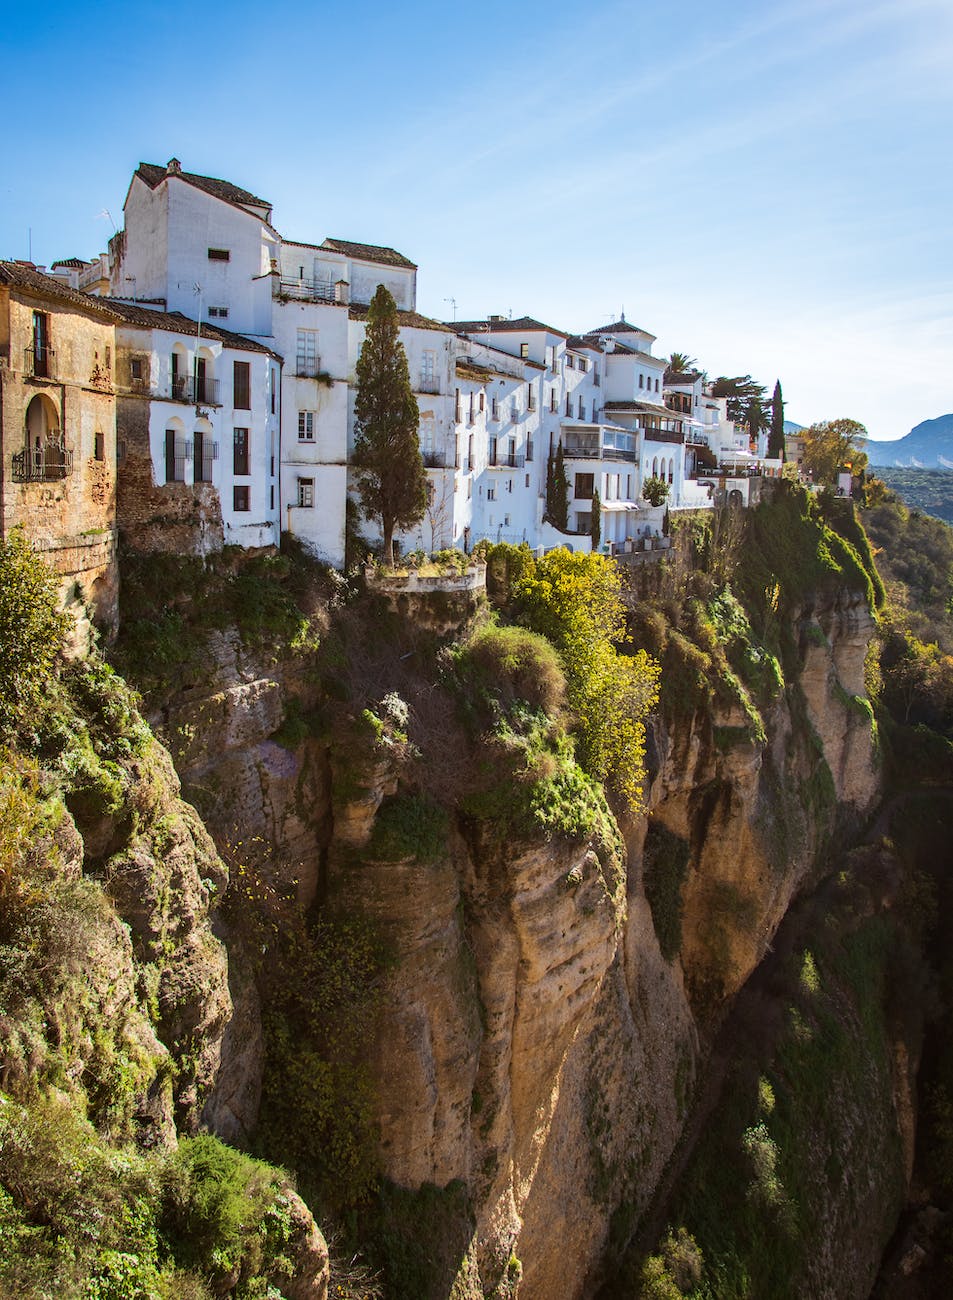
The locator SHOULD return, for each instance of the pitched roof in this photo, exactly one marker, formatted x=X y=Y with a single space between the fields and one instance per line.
x=377 y=253
x=644 y=408
x=18 y=275
x=133 y=313
x=624 y=350
x=619 y=327
x=77 y=263
x=153 y=174
x=520 y=325
x=681 y=376
x=582 y=343
x=359 y=310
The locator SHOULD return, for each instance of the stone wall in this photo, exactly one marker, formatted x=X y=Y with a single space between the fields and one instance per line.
x=182 y=518
x=71 y=516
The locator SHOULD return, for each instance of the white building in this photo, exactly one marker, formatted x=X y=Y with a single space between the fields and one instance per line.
x=198 y=405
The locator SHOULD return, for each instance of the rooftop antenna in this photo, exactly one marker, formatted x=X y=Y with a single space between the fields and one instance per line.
x=453 y=304
x=197 y=289
x=29 y=243
x=108 y=215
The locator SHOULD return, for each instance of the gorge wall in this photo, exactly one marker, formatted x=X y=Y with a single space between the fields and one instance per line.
x=546 y=1016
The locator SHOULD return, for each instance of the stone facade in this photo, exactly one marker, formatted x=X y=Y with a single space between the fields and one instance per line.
x=58 y=433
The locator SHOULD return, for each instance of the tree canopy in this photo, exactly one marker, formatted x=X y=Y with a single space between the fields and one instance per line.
x=832 y=447
x=557 y=490
x=32 y=626
x=392 y=481
x=745 y=399
x=680 y=363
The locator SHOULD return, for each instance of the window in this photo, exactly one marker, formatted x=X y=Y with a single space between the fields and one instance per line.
x=509 y=485
x=458 y=416
x=569 y=404
x=306 y=426
x=641 y=381
x=241 y=386
x=530 y=398
x=428 y=373
x=271 y=497
x=135 y=368
x=656 y=385
x=42 y=352
x=307 y=353
x=470 y=453
x=582 y=409
x=491 y=451
x=470 y=416
x=174 y=457
x=554 y=399
x=219 y=255
x=109 y=360
x=585 y=483
x=206 y=451
x=570 y=361
x=99 y=446
x=482 y=401
x=274 y=388
x=524 y=350
x=306 y=493
x=529 y=453
x=583 y=363
x=241 y=498
x=527 y=481
x=494 y=408
x=220 y=312
x=491 y=494
x=240 y=452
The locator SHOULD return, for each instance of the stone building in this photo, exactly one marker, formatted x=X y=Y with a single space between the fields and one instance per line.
x=58 y=432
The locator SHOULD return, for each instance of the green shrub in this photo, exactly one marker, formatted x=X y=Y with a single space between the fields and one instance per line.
x=505 y=664
x=32 y=628
x=408 y=826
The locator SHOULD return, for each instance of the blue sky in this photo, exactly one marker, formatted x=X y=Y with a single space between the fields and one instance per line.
x=766 y=187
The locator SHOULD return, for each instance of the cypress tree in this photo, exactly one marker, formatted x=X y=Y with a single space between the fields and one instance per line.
x=559 y=500
x=776 y=440
x=392 y=481
x=595 y=529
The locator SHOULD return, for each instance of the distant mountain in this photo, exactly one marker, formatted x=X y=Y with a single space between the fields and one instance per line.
x=928 y=446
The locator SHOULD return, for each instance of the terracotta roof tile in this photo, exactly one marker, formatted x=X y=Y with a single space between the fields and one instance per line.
x=135 y=314
x=521 y=325
x=359 y=310
x=368 y=253
x=153 y=174
x=16 y=275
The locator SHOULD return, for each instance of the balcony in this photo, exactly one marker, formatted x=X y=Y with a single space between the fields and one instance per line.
x=39 y=362
x=436 y=460
x=194 y=389
x=506 y=460
x=45 y=466
x=429 y=385
x=304 y=290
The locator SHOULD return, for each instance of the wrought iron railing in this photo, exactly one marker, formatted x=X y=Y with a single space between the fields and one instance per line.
x=428 y=385
x=44 y=466
x=38 y=361
x=506 y=460
x=308 y=367
x=306 y=290
x=195 y=389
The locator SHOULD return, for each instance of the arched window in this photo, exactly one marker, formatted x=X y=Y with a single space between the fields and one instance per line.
x=175 y=451
x=44 y=456
x=655 y=466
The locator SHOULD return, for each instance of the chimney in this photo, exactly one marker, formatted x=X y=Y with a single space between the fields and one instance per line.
x=173 y=167
x=341 y=291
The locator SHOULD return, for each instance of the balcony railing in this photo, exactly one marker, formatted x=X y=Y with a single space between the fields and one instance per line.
x=44 y=466
x=39 y=362
x=436 y=460
x=506 y=460
x=194 y=389
x=305 y=290
x=588 y=451
x=308 y=367
x=428 y=385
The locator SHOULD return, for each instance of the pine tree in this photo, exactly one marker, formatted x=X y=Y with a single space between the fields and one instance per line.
x=595 y=529
x=392 y=482
x=776 y=440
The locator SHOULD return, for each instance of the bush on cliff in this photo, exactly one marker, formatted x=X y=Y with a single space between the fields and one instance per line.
x=32 y=628
x=575 y=601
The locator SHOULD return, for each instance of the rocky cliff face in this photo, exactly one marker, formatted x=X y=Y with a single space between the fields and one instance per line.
x=537 y=1043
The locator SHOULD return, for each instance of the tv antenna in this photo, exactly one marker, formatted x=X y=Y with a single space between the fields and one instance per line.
x=453 y=304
